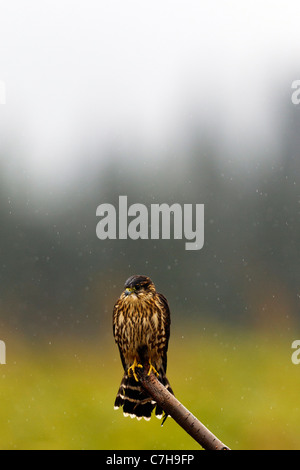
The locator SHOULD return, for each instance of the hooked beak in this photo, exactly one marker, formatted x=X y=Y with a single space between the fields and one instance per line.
x=128 y=291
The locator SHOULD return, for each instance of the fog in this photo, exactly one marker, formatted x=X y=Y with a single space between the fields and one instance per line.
x=166 y=102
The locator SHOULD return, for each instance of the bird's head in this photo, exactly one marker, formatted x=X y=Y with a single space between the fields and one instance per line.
x=139 y=287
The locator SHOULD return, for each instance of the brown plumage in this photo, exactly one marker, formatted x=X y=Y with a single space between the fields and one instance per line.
x=141 y=327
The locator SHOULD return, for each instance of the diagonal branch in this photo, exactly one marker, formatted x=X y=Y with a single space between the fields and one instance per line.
x=179 y=413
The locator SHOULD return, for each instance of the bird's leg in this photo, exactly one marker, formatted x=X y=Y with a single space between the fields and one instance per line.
x=152 y=369
x=131 y=369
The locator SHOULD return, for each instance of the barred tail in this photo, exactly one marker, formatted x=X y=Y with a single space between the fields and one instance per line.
x=135 y=401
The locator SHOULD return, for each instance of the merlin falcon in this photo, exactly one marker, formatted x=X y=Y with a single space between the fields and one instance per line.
x=141 y=328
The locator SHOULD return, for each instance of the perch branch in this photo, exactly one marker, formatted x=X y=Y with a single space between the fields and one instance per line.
x=179 y=413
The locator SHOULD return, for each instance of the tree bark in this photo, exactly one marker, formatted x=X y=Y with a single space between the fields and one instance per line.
x=179 y=413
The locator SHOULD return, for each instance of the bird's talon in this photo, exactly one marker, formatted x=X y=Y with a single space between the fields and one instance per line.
x=152 y=369
x=131 y=370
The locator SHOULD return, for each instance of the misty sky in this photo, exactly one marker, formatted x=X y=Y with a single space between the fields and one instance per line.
x=85 y=74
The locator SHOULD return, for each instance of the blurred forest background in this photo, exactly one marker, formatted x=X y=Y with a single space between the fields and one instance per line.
x=234 y=304
x=58 y=277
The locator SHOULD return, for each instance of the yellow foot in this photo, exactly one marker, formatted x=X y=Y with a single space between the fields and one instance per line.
x=152 y=369
x=131 y=371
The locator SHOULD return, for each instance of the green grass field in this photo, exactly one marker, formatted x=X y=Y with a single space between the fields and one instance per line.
x=241 y=385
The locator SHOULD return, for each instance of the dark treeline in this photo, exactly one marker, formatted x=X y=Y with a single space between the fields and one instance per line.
x=57 y=277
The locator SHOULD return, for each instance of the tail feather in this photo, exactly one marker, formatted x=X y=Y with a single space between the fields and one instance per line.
x=135 y=401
